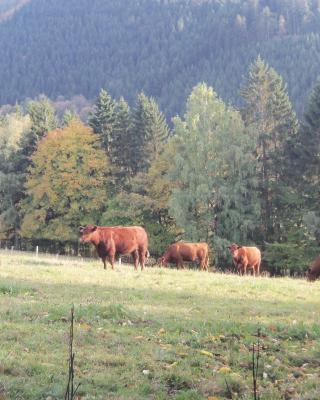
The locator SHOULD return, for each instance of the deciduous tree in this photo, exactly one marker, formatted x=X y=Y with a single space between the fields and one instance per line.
x=66 y=184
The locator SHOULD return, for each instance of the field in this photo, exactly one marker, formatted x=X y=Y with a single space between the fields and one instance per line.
x=160 y=334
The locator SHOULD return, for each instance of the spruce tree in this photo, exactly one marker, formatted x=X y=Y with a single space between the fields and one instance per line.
x=121 y=151
x=43 y=120
x=149 y=132
x=309 y=149
x=101 y=120
x=70 y=116
x=269 y=113
x=307 y=162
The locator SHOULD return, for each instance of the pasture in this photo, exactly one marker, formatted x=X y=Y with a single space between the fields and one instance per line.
x=160 y=334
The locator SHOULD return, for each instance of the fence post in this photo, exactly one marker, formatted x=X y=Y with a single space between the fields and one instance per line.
x=12 y=247
x=119 y=261
x=37 y=251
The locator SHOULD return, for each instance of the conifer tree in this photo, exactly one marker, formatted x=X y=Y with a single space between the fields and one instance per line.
x=307 y=162
x=150 y=131
x=121 y=151
x=69 y=117
x=101 y=120
x=268 y=112
x=309 y=145
x=43 y=120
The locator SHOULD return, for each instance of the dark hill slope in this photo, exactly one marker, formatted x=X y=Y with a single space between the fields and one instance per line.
x=164 y=48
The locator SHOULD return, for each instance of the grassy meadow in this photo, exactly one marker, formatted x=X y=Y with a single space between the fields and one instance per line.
x=158 y=334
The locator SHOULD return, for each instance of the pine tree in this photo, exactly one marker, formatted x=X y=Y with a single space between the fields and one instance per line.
x=269 y=114
x=69 y=117
x=121 y=150
x=307 y=163
x=101 y=120
x=309 y=144
x=43 y=120
x=149 y=132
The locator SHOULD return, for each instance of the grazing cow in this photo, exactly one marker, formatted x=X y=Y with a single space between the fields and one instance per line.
x=181 y=251
x=113 y=240
x=314 y=270
x=246 y=257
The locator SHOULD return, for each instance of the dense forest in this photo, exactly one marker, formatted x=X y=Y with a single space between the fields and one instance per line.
x=222 y=174
x=163 y=48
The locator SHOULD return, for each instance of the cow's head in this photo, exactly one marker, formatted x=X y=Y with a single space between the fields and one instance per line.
x=314 y=270
x=88 y=233
x=162 y=261
x=234 y=249
x=313 y=273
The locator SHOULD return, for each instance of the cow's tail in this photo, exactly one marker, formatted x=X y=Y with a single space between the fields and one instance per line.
x=147 y=254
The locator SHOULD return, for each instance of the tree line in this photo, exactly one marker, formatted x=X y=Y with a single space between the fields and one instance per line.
x=248 y=175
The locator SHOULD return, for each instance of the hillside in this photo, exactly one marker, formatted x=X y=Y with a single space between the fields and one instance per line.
x=160 y=47
x=160 y=334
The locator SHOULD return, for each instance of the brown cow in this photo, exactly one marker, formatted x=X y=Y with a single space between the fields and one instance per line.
x=113 y=240
x=314 y=270
x=181 y=251
x=246 y=257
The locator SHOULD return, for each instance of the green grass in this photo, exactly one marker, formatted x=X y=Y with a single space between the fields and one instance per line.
x=160 y=334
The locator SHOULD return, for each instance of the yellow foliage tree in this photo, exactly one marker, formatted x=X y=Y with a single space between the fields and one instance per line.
x=67 y=184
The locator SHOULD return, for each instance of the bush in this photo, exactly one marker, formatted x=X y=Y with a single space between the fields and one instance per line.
x=288 y=258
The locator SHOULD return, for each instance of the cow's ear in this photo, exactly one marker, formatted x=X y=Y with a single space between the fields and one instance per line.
x=81 y=228
x=239 y=247
x=94 y=228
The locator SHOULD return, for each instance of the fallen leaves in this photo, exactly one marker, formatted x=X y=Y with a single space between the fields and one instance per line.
x=224 y=370
x=206 y=353
x=161 y=331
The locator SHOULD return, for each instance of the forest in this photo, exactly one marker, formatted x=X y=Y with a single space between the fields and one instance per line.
x=162 y=48
x=221 y=174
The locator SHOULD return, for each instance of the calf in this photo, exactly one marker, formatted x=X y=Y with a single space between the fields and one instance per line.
x=181 y=251
x=314 y=270
x=246 y=257
x=113 y=240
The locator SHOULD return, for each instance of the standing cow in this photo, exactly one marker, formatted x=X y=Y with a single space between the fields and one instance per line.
x=113 y=240
x=314 y=270
x=181 y=251
x=246 y=257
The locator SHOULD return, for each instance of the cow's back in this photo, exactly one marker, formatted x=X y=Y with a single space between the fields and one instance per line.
x=191 y=251
x=126 y=239
x=253 y=254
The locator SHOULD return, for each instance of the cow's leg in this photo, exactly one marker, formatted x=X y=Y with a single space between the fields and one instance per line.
x=112 y=259
x=257 y=268
x=142 y=258
x=180 y=263
x=135 y=256
x=245 y=265
x=104 y=260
